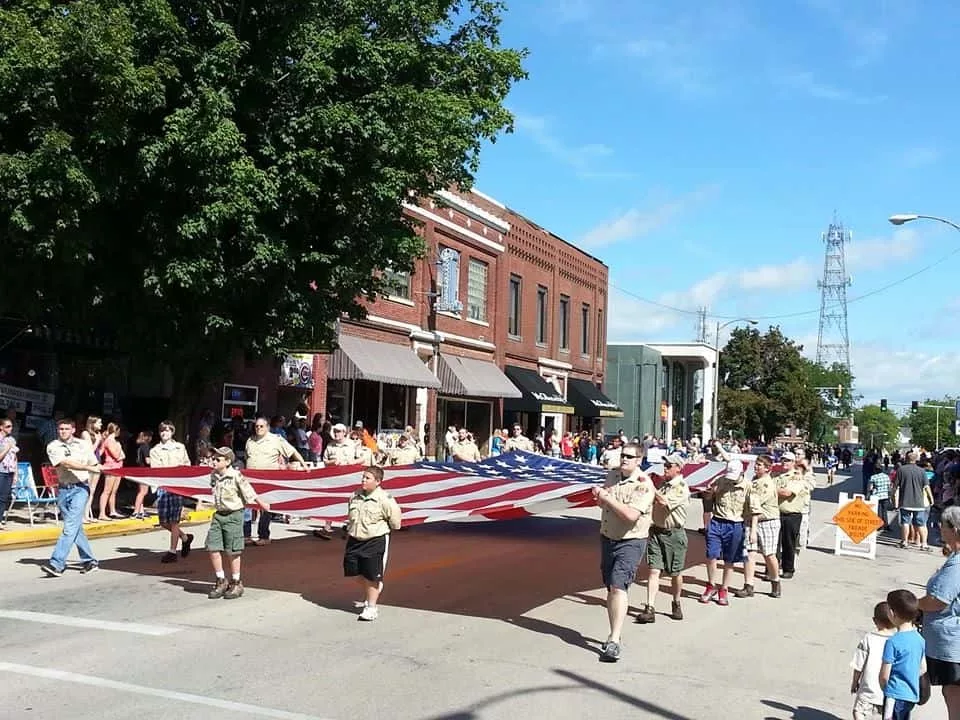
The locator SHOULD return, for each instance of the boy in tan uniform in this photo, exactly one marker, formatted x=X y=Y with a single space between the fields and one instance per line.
x=170 y=453
x=725 y=531
x=763 y=529
x=667 y=547
x=371 y=515
x=626 y=500
x=231 y=491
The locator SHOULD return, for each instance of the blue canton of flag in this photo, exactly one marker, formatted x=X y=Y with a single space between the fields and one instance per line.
x=519 y=465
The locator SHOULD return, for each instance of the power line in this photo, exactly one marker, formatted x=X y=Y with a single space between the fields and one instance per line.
x=783 y=316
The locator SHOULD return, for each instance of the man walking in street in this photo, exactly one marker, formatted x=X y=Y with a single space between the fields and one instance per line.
x=667 y=546
x=626 y=500
x=793 y=491
x=763 y=529
x=267 y=450
x=74 y=460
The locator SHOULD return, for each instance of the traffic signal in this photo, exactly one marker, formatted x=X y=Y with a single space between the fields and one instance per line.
x=914 y=406
x=883 y=404
x=839 y=391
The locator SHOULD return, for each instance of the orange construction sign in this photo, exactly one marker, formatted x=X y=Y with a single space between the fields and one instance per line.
x=858 y=520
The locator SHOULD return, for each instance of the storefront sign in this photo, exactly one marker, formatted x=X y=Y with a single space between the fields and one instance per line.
x=41 y=403
x=605 y=404
x=297 y=371
x=544 y=397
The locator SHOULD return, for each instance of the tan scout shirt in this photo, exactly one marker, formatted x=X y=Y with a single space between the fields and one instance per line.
x=796 y=484
x=635 y=491
x=763 y=498
x=465 y=451
x=811 y=481
x=674 y=514
x=406 y=455
x=518 y=443
x=373 y=515
x=76 y=449
x=268 y=452
x=231 y=491
x=342 y=453
x=730 y=498
x=171 y=454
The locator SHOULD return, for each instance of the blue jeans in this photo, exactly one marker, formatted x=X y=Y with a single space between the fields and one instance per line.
x=6 y=485
x=263 y=524
x=72 y=501
x=897 y=709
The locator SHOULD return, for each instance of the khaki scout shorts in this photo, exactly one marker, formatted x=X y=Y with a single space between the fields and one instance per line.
x=226 y=532
x=667 y=550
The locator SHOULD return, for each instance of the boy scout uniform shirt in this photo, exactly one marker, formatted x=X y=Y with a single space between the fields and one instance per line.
x=466 y=451
x=519 y=443
x=811 y=481
x=635 y=491
x=76 y=449
x=231 y=491
x=341 y=453
x=763 y=498
x=169 y=454
x=729 y=498
x=406 y=455
x=674 y=514
x=798 y=485
x=373 y=515
x=268 y=452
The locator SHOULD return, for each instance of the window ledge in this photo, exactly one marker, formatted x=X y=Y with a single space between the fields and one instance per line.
x=400 y=300
x=584 y=356
x=445 y=313
x=515 y=338
x=484 y=323
x=564 y=351
x=541 y=344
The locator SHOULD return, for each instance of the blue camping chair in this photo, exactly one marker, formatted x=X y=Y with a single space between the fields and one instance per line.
x=25 y=491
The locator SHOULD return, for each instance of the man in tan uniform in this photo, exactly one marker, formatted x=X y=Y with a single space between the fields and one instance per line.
x=762 y=528
x=464 y=449
x=667 y=548
x=406 y=452
x=626 y=500
x=518 y=441
x=793 y=490
x=268 y=451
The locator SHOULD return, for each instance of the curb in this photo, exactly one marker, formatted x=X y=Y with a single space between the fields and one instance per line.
x=47 y=533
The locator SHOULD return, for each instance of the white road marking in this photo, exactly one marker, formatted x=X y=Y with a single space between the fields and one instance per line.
x=129 y=627
x=821 y=531
x=50 y=674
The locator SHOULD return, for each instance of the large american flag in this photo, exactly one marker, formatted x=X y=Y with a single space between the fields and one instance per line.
x=513 y=485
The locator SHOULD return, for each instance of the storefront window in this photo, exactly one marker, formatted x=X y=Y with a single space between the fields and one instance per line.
x=338 y=401
x=366 y=403
x=395 y=403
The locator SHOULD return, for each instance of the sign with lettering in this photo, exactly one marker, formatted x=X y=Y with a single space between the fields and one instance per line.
x=448 y=282
x=296 y=371
x=41 y=403
x=857 y=524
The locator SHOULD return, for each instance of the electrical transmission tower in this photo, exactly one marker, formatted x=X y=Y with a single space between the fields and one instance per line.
x=702 y=325
x=833 y=342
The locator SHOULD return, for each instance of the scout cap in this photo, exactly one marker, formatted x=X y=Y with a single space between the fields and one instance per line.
x=225 y=452
x=788 y=456
x=674 y=459
x=734 y=470
x=339 y=427
x=358 y=425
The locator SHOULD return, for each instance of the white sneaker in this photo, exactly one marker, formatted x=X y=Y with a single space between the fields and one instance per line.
x=359 y=604
x=369 y=612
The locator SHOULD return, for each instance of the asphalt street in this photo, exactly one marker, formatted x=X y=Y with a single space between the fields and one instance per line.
x=478 y=620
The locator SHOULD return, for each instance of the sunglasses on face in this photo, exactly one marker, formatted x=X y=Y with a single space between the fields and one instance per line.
x=628 y=457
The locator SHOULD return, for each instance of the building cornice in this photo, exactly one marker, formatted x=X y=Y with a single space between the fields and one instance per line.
x=470 y=235
x=470 y=210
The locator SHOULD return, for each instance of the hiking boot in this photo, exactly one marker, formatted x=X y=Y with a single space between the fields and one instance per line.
x=185 y=548
x=775 y=589
x=647 y=615
x=169 y=557
x=234 y=590
x=611 y=653
x=722 y=598
x=709 y=594
x=218 y=590
x=746 y=592
x=676 y=611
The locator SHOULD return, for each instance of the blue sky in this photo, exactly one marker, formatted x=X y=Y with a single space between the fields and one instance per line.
x=701 y=149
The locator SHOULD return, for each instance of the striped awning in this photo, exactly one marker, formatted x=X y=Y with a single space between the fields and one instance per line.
x=361 y=359
x=470 y=377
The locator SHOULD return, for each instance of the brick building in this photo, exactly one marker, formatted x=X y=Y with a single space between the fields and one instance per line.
x=522 y=338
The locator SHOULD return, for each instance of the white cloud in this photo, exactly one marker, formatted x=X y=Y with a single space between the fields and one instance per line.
x=904 y=375
x=637 y=222
x=583 y=158
x=875 y=253
x=802 y=81
x=794 y=275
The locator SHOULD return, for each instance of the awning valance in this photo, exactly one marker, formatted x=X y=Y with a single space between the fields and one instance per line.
x=362 y=359
x=470 y=377
x=589 y=401
x=538 y=395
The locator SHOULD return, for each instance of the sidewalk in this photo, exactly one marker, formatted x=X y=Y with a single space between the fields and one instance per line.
x=46 y=533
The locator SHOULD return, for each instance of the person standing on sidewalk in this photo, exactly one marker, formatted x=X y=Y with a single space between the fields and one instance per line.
x=626 y=501
x=762 y=528
x=268 y=450
x=913 y=497
x=793 y=491
x=75 y=461
x=170 y=453
x=667 y=547
x=8 y=466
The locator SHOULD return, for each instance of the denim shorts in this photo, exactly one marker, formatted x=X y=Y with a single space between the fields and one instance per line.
x=725 y=540
x=918 y=518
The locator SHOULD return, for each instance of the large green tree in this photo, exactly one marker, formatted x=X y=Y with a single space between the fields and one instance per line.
x=878 y=428
x=923 y=423
x=203 y=178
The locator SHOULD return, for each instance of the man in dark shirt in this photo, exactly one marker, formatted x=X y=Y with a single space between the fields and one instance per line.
x=913 y=497
x=869 y=468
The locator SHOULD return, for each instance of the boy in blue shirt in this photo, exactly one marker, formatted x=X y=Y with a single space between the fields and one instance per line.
x=904 y=659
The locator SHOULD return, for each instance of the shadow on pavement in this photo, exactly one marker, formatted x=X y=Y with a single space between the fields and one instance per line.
x=801 y=712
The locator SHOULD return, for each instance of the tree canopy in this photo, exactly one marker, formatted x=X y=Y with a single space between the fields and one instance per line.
x=204 y=178
x=878 y=428
x=923 y=423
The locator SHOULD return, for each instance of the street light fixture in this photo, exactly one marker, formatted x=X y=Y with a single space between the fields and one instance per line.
x=908 y=217
x=716 y=373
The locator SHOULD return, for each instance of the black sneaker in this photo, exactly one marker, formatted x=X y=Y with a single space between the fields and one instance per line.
x=51 y=571
x=90 y=567
x=786 y=575
x=169 y=557
x=611 y=653
x=187 y=542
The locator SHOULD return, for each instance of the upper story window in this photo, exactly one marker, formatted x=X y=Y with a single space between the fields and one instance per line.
x=541 y=314
x=599 y=334
x=513 y=306
x=585 y=329
x=397 y=283
x=564 y=322
x=477 y=290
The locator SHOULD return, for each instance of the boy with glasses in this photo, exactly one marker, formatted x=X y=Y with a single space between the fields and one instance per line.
x=626 y=501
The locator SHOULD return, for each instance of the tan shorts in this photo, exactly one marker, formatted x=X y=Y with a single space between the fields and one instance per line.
x=865 y=710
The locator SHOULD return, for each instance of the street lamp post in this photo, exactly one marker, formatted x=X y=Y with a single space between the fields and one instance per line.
x=909 y=217
x=716 y=373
